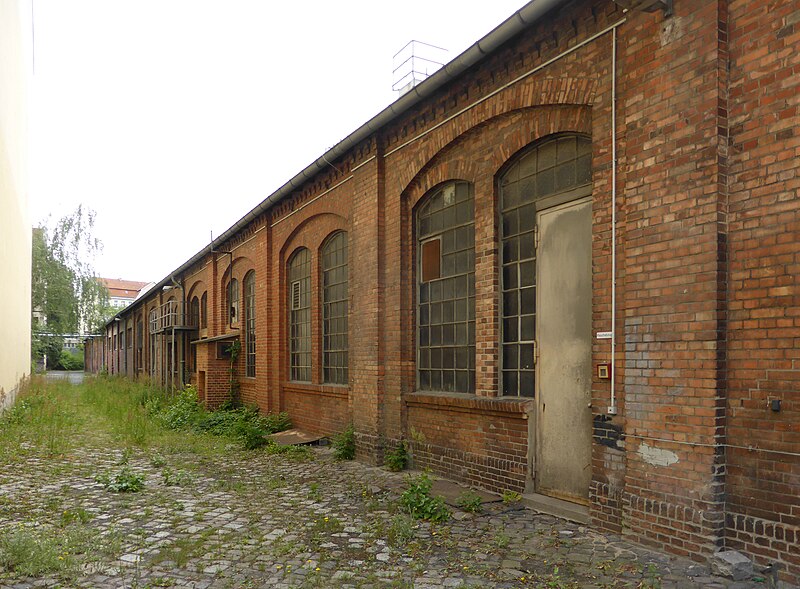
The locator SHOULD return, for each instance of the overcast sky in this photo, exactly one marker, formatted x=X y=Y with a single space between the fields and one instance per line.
x=173 y=118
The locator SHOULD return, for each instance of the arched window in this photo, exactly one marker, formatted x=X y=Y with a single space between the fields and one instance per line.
x=334 y=309
x=554 y=171
x=233 y=301
x=139 y=342
x=446 y=290
x=250 y=324
x=204 y=311
x=194 y=312
x=299 y=274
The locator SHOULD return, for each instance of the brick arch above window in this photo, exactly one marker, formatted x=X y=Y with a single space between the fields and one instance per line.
x=311 y=233
x=507 y=133
x=197 y=288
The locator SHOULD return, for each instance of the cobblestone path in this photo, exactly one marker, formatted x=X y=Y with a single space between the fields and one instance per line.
x=251 y=519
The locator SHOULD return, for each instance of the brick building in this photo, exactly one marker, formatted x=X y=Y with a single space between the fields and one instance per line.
x=566 y=265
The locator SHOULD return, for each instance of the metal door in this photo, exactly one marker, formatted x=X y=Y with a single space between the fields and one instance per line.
x=563 y=334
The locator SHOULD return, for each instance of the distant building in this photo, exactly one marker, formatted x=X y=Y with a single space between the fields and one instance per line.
x=122 y=293
x=15 y=227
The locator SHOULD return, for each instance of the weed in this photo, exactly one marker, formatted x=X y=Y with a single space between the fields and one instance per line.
x=469 y=501
x=511 y=497
x=344 y=444
x=182 y=550
x=124 y=481
x=401 y=529
x=30 y=556
x=176 y=478
x=652 y=578
x=78 y=515
x=419 y=502
x=502 y=540
x=314 y=493
x=299 y=453
x=157 y=460
x=397 y=459
x=183 y=411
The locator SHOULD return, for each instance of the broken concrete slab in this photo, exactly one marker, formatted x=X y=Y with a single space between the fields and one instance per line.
x=731 y=564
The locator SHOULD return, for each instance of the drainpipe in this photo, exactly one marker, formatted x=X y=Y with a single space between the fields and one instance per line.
x=612 y=407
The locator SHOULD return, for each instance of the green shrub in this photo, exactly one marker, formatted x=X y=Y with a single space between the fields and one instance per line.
x=397 y=459
x=251 y=435
x=344 y=444
x=419 y=502
x=70 y=360
x=183 y=410
x=244 y=424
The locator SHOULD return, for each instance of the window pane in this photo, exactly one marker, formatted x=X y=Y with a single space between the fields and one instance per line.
x=250 y=324
x=334 y=309
x=556 y=164
x=445 y=311
x=299 y=273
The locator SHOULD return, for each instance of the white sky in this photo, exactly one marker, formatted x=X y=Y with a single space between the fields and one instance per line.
x=173 y=118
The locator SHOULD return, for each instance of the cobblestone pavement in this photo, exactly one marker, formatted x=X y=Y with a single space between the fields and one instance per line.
x=251 y=519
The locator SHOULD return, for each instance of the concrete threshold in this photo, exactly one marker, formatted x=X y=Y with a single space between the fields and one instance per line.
x=550 y=505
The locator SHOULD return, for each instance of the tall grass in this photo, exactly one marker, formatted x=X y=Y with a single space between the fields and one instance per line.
x=42 y=421
x=54 y=416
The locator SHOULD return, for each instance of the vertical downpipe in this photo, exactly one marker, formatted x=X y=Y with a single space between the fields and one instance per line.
x=612 y=408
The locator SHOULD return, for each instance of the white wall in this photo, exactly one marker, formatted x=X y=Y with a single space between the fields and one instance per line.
x=15 y=226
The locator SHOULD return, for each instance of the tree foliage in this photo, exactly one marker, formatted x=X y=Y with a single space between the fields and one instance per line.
x=66 y=296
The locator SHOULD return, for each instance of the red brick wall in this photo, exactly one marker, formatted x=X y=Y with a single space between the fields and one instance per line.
x=706 y=286
x=763 y=478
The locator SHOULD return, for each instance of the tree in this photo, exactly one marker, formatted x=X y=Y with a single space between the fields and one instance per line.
x=66 y=296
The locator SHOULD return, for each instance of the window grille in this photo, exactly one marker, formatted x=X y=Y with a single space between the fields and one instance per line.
x=335 y=309
x=446 y=290
x=250 y=323
x=299 y=273
x=554 y=168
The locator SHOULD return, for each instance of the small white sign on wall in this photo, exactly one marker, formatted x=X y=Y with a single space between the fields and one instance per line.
x=604 y=335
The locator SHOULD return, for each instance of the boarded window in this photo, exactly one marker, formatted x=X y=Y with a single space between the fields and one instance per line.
x=431 y=260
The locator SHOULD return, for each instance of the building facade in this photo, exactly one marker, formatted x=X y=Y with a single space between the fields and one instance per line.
x=122 y=293
x=564 y=265
x=15 y=227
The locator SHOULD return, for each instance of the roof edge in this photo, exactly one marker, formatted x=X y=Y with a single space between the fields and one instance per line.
x=509 y=28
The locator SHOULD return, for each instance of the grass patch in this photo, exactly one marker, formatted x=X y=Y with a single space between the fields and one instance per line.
x=41 y=422
x=34 y=552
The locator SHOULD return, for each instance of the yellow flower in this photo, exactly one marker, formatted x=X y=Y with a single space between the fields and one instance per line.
x=316 y=569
